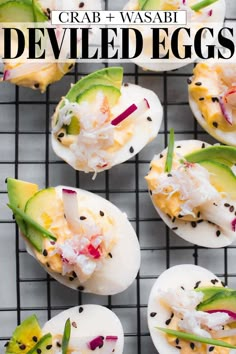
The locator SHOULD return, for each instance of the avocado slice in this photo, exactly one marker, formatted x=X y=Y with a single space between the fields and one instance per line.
x=21 y=11
x=19 y=192
x=223 y=300
x=44 y=346
x=112 y=76
x=112 y=93
x=39 y=208
x=222 y=154
x=150 y=5
x=25 y=336
x=74 y=127
x=221 y=177
x=210 y=291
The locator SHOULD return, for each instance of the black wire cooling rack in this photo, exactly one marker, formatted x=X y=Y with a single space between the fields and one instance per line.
x=26 y=153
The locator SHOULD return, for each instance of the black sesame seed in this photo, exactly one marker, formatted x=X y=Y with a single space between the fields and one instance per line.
x=161 y=156
x=48 y=347
x=149 y=119
x=182 y=288
x=45 y=253
x=81 y=309
x=59 y=140
x=192 y=346
x=22 y=347
x=198 y=83
x=101 y=213
x=39 y=351
x=74 y=324
x=201 y=99
x=35 y=339
x=203 y=145
x=214 y=281
x=178 y=347
x=211 y=349
x=223 y=284
x=197 y=284
x=153 y=314
x=126 y=84
x=174 y=218
x=110 y=255
x=169 y=175
x=198 y=214
x=177 y=341
x=48 y=265
x=36 y=86
x=6 y=180
x=61 y=135
x=200 y=221
x=193 y=224
x=81 y=4
x=231 y=209
x=218 y=233
x=83 y=218
x=70 y=66
x=174 y=228
x=150 y=192
x=178 y=147
x=189 y=81
x=215 y=124
x=74 y=274
x=131 y=150
x=180 y=216
x=215 y=99
x=227 y=205
x=58 y=344
x=81 y=288
x=168 y=321
x=6 y=344
x=71 y=278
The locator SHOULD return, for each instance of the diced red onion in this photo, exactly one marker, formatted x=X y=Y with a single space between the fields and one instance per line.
x=210 y=13
x=234 y=225
x=96 y=343
x=70 y=202
x=230 y=97
x=230 y=313
x=226 y=111
x=94 y=252
x=137 y=109
x=184 y=2
x=6 y=75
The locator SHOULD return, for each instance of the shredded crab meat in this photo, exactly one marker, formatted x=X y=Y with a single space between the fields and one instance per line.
x=85 y=251
x=183 y=303
x=192 y=182
x=96 y=133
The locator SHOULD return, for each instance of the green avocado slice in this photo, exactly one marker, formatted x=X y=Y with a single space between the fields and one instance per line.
x=223 y=300
x=223 y=154
x=221 y=176
x=110 y=92
x=19 y=192
x=111 y=76
x=21 y=11
x=25 y=336
x=211 y=291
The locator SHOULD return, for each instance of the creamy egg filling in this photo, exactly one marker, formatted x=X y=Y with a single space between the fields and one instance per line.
x=182 y=304
x=98 y=138
x=188 y=193
x=213 y=88
x=77 y=253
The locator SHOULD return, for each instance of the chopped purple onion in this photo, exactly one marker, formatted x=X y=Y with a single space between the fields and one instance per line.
x=112 y=338
x=230 y=313
x=131 y=109
x=234 y=225
x=96 y=343
x=226 y=111
x=68 y=191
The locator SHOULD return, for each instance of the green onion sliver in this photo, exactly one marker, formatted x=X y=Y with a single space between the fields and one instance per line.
x=202 y=4
x=31 y=222
x=66 y=337
x=193 y=338
x=170 y=151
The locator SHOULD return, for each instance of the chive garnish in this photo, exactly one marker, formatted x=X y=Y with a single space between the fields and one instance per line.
x=170 y=151
x=66 y=337
x=202 y=4
x=193 y=338
x=31 y=222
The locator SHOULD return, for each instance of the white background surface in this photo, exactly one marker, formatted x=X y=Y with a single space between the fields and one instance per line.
x=124 y=185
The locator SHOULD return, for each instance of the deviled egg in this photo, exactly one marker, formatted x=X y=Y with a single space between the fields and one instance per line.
x=191 y=311
x=101 y=123
x=200 y=14
x=212 y=98
x=83 y=329
x=192 y=187
x=79 y=238
x=38 y=75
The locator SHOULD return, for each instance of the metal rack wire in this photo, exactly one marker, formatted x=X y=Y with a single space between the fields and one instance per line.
x=26 y=154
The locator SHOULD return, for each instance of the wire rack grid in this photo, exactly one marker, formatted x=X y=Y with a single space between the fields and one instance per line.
x=26 y=154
